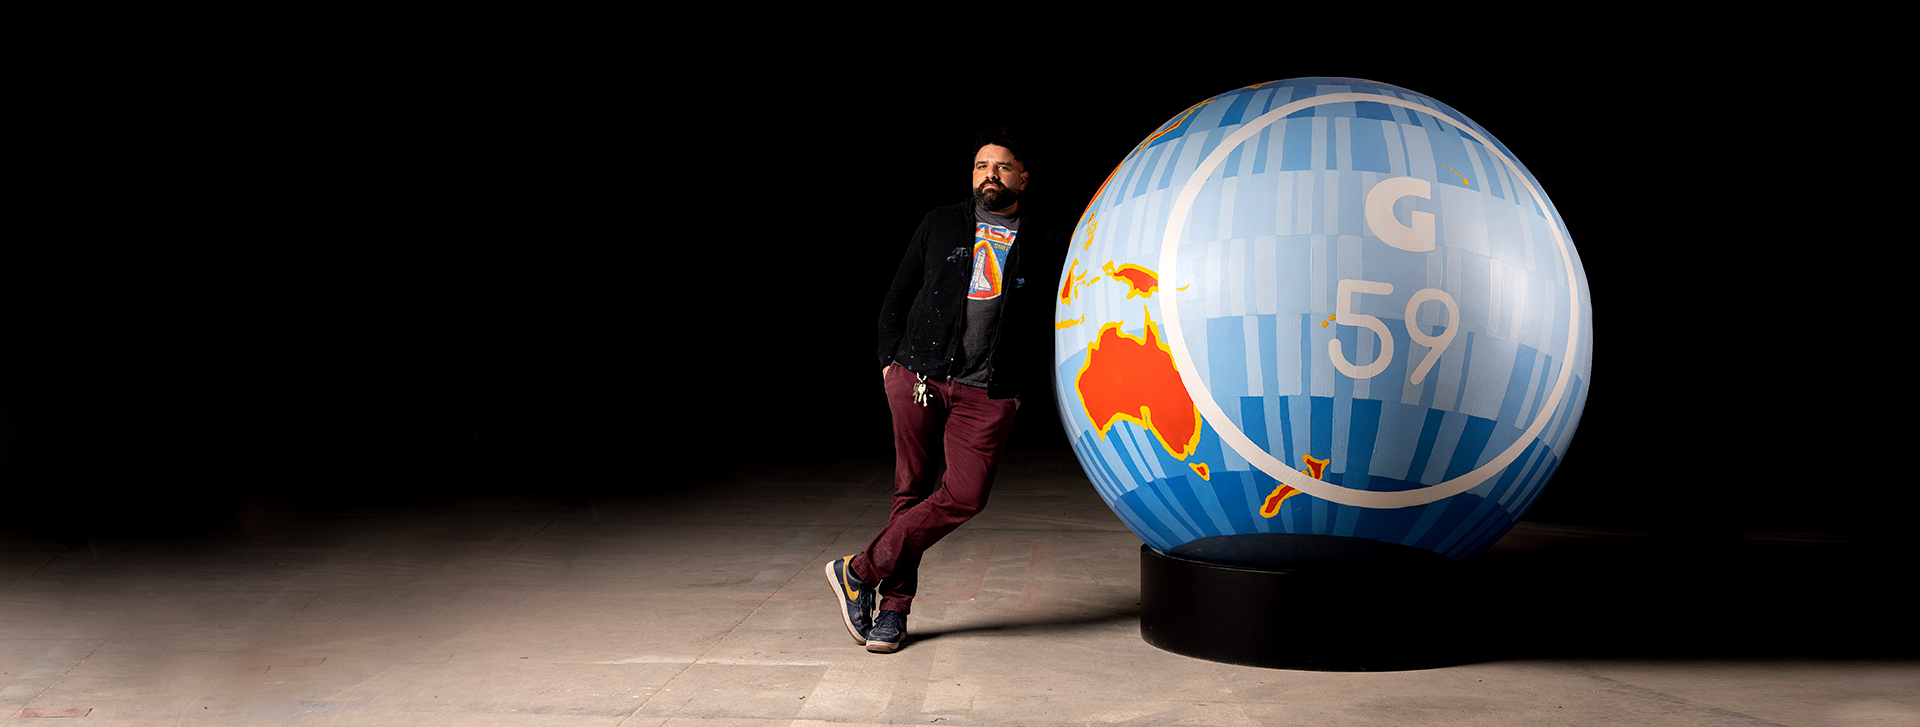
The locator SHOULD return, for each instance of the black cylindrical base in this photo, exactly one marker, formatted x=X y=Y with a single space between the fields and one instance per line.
x=1381 y=615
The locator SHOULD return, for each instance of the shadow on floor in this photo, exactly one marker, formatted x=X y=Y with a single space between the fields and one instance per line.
x=1018 y=626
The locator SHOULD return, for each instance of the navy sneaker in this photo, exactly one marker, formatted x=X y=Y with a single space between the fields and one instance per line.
x=856 y=599
x=889 y=629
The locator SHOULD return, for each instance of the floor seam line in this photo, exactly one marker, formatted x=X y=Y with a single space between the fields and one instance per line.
x=36 y=571
x=496 y=564
x=756 y=610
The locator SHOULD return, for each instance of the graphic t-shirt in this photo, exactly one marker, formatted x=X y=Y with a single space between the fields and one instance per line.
x=992 y=243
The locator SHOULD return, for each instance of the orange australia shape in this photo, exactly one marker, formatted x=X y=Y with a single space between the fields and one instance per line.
x=1131 y=378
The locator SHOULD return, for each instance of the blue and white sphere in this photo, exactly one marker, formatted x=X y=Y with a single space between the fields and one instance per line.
x=1377 y=315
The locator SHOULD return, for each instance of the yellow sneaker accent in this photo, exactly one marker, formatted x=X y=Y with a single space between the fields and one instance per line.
x=846 y=568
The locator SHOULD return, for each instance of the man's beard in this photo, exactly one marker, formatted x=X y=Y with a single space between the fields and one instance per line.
x=996 y=197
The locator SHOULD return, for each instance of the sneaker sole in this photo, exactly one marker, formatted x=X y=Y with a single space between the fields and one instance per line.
x=834 y=583
x=882 y=647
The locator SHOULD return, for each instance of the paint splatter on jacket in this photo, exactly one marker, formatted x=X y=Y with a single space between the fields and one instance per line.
x=923 y=317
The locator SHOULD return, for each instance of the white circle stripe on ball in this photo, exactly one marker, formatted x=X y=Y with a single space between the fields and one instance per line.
x=1238 y=440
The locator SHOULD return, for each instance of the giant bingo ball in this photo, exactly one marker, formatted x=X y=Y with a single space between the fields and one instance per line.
x=1321 y=312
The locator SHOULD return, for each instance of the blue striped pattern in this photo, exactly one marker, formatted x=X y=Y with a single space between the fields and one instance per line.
x=1177 y=506
x=1268 y=239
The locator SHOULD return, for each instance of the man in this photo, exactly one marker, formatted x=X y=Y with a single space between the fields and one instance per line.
x=964 y=327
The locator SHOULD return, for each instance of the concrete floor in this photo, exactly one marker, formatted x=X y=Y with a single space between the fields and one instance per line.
x=707 y=607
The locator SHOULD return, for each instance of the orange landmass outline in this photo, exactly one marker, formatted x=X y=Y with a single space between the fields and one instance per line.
x=1315 y=467
x=1140 y=281
x=1067 y=288
x=1133 y=379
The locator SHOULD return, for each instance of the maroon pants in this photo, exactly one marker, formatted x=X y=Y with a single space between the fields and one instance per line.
x=951 y=444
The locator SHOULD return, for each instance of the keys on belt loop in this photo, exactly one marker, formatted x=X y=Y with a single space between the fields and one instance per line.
x=920 y=390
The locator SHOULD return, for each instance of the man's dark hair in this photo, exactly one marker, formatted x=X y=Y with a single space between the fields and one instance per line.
x=998 y=136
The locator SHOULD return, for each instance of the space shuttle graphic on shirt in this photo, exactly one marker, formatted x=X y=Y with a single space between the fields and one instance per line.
x=990 y=246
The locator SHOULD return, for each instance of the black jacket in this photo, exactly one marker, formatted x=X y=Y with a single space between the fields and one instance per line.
x=925 y=307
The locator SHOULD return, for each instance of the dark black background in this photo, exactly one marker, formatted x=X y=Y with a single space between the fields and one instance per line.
x=403 y=274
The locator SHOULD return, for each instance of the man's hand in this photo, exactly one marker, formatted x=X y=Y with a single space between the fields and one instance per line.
x=883 y=372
